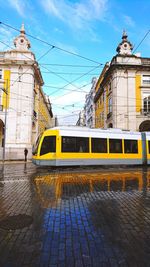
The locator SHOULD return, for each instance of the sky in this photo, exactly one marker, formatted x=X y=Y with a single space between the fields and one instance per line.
x=72 y=41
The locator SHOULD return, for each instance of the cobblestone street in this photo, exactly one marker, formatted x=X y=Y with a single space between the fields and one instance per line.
x=74 y=217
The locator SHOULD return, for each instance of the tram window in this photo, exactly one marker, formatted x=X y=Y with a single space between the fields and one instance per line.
x=48 y=145
x=75 y=144
x=149 y=146
x=130 y=146
x=99 y=145
x=115 y=146
x=35 y=147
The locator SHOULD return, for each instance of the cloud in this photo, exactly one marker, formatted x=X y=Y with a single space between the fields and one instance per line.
x=57 y=30
x=4 y=32
x=128 y=21
x=76 y=15
x=6 y=41
x=68 y=105
x=66 y=47
x=22 y=7
x=19 y=6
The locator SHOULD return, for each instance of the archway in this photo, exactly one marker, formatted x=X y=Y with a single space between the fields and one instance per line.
x=1 y=133
x=145 y=126
x=110 y=125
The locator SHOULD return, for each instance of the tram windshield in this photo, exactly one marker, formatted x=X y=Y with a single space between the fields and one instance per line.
x=36 y=145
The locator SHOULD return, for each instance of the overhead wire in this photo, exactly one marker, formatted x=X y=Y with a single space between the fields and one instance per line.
x=71 y=73
x=76 y=80
x=128 y=60
x=68 y=83
x=46 y=52
x=96 y=67
x=141 y=41
x=68 y=65
x=118 y=78
x=50 y=86
x=26 y=98
x=52 y=45
x=134 y=52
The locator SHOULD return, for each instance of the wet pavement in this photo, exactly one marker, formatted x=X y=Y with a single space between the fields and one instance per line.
x=74 y=217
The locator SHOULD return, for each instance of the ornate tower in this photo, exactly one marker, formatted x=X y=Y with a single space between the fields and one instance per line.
x=125 y=47
x=21 y=42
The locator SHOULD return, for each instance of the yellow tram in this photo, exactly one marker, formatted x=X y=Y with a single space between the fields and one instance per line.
x=73 y=146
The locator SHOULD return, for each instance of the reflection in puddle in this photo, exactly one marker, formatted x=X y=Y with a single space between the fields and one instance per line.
x=60 y=186
x=105 y=215
x=90 y=218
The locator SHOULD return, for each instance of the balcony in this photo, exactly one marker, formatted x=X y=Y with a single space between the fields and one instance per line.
x=145 y=112
x=145 y=61
x=109 y=115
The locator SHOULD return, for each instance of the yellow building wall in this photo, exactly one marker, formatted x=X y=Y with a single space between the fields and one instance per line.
x=138 y=93
x=44 y=117
x=6 y=94
x=98 y=108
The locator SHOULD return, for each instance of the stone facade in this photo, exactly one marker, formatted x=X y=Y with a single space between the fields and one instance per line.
x=24 y=109
x=123 y=91
x=81 y=119
x=89 y=106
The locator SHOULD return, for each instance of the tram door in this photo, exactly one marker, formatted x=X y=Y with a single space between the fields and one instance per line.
x=144 y=152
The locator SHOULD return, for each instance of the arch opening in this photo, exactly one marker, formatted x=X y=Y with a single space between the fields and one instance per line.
x=145 y=126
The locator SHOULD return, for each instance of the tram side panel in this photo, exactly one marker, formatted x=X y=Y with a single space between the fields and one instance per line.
x=144 y=148
x=124 y=149
x=147 y=149
x=106 y=148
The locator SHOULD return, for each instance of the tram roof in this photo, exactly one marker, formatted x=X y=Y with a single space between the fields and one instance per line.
x=86 y=131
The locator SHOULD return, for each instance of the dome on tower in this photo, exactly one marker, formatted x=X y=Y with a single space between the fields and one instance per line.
x=125 y=47
x=21 y=42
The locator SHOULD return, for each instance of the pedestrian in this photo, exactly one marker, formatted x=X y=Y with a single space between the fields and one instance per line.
x=25 y=153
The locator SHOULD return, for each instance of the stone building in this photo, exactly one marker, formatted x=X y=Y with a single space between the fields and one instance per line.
x=25 y=111
x=122 y=98
x=81 y=119
x=89 y=107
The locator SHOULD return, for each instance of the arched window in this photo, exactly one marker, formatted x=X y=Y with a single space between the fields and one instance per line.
x=146 y=104
x=110 y=125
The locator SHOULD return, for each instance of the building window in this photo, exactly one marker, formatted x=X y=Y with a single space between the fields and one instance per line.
x=146 y=104
x=75 y=144
x=109 y=105
x=48 y=145
x=99 y=145
x=146 y=79
x=115 y=145
x=130 y=146
x=0 y=74
x=109 y=87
